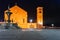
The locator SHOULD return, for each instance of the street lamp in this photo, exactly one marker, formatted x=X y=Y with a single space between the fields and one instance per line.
x=52 y=25
x=8 y=14
x=31 y=22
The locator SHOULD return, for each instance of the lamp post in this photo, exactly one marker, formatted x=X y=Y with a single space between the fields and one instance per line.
x=8 y=14
x=52 y=25
x=31 y=22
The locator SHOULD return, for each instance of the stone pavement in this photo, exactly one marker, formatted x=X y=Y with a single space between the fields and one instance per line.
x=31 y=34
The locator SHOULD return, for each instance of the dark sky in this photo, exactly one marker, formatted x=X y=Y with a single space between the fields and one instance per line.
x=51 y=9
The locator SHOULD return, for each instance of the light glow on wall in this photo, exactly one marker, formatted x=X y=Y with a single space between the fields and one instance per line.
x=40 y=23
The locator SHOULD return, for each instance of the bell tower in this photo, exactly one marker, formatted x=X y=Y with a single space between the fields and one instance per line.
x=40 y=15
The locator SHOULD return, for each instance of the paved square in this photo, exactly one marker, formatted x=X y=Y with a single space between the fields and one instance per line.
x=44 y=34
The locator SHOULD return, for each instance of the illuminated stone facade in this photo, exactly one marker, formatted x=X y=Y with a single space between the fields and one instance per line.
x=19 y=16
x=39 y=17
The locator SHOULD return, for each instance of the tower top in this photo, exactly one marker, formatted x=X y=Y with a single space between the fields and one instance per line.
x=39 y=8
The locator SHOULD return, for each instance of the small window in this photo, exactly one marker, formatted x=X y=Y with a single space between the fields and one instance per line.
x=39 y=11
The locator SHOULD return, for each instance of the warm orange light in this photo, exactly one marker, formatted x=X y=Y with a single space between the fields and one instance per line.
x=40 y=15
x=18 y=16
x=40 y=23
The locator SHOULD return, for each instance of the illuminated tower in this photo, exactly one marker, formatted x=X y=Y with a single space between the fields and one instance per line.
x=40 y=15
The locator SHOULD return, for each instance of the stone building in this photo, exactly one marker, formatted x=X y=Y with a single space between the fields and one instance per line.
x=19 y=16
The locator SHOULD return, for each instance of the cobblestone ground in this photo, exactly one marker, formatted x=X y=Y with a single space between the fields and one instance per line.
x=30 y=34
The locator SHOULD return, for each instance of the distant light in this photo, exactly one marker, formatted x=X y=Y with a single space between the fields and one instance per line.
x=31 y=20
x=52 y=25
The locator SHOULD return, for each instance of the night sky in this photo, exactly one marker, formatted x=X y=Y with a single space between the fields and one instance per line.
x=51 y=9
